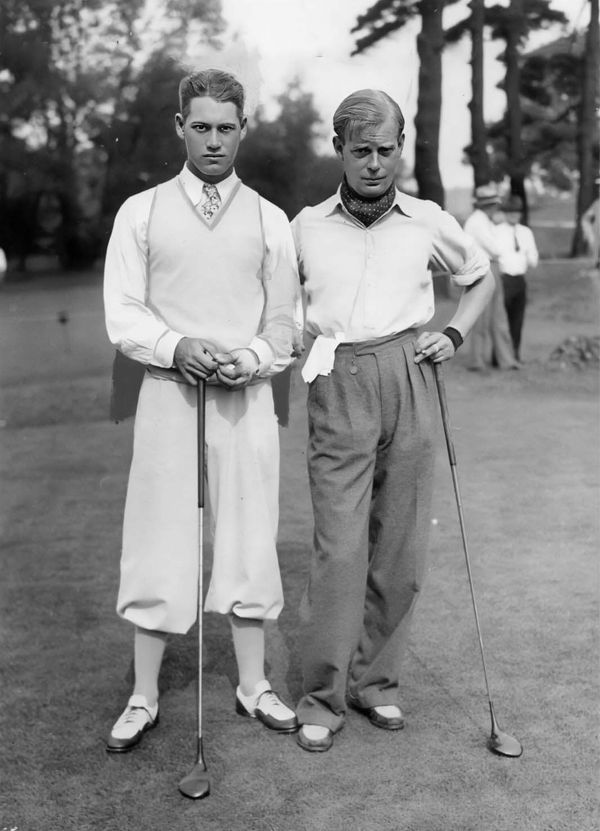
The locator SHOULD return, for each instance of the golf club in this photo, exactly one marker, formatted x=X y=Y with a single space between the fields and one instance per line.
x=498 y=742
x=196 y=784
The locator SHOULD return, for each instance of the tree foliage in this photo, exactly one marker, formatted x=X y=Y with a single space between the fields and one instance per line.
x=381 y=20
x=588 y=138
x=279 y=160
x=68 y=76
x=512 y=23
x=550 y=96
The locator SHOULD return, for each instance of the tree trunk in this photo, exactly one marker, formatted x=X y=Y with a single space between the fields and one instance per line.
x=515 y=26
x=478 y=151
x=430 y=43
x=587 y=132
x=24 y=212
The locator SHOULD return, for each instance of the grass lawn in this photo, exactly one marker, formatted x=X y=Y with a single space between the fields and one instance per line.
x=527 y=449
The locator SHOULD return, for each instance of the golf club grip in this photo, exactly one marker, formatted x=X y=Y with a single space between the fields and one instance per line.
x=441 y=388
x=201 y=418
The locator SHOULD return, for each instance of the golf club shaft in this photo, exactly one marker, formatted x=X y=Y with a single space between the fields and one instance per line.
x=201 y=419
x=439 y=380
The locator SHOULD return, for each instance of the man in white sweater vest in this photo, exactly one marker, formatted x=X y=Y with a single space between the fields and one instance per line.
x=201 y=278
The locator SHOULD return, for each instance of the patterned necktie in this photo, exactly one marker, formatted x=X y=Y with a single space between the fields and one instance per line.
x=212 y=201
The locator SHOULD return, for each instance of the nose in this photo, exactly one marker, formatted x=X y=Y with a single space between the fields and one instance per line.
x=373 y=161
x=214 y=140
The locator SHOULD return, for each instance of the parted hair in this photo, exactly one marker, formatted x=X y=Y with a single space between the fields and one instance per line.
x=365 y=108
x=211 y=83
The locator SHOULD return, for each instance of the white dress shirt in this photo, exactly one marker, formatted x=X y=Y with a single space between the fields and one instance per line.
x=481 y=228
x=363 y=283
x=518 y=251
x=367 y=282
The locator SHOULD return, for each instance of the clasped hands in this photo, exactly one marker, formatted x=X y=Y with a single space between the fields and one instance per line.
x=196 y=358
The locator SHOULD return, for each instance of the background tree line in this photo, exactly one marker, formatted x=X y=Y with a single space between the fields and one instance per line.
x=552 y=95
x=88 y=92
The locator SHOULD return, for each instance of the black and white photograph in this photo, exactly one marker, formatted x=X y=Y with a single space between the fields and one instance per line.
x=300 y=415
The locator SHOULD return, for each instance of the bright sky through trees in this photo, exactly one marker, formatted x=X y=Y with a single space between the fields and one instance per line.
x=312 y=39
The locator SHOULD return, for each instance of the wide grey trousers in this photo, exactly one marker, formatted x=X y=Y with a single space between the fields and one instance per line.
x=370 y=462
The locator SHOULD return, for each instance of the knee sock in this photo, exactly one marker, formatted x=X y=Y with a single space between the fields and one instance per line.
x=249 y=647
x=149 y=648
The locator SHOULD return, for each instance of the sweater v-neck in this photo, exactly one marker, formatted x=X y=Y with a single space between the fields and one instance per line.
x=210 y=225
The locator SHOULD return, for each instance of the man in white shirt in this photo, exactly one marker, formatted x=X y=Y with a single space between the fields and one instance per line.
x=490 y=341
x=366 y=257
x=200 y=283
x=518 y=253
x=590 y=228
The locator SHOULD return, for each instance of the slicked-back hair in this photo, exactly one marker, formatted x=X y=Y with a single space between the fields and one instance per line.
x=365 y=108
x=211 y=83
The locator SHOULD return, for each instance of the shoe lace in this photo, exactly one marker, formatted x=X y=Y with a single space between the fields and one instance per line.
x=132 y=715
x=273 y=699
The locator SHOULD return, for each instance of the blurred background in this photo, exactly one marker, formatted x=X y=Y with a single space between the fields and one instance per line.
x=503 y=91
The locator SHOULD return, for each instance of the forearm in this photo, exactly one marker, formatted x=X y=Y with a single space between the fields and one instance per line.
x=472 y=302
x=139 y=334
x=278 y=338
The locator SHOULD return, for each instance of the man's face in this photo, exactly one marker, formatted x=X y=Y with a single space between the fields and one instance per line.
x=212 y=133
x=512 y=217
x=371 y=157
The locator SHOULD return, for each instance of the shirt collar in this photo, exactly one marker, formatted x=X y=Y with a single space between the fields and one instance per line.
x=193 y=185
x=334 y=204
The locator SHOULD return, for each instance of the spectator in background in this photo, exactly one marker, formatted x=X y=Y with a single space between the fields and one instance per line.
x=490 y=337
x=518 y=253
x=590 y=228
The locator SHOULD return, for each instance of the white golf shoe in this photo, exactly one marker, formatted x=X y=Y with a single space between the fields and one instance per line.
x=134 y=721
x=266 y=705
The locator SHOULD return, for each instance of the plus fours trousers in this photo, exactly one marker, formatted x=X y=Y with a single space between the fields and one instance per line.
x=159 y=562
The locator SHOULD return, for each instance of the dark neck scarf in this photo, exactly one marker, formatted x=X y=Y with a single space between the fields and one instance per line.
x=363 y=209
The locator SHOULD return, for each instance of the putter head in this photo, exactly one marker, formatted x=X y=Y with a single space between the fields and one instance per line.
x=504 y=745
x=196 y=785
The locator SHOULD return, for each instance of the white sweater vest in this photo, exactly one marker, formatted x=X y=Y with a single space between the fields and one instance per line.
x=205 y=281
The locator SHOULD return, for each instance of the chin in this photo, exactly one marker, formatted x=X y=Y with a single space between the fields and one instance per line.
x=212 y=170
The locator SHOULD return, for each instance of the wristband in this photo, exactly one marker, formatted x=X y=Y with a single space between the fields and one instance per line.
x=454 y=335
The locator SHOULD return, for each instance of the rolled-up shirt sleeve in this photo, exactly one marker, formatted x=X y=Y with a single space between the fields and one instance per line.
x=531 y=250
x=279 y=331
x=456 y=253
x=132 y=327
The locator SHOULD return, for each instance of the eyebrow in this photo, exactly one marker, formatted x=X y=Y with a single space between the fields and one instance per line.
x=363 y=144
x=218 y=124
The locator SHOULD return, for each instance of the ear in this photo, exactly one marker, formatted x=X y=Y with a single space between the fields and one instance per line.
x=338 y=146
x=244 y=127
x=179 y=122
x=401 y=143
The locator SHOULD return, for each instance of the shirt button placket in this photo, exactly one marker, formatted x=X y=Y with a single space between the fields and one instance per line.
x=370 y=322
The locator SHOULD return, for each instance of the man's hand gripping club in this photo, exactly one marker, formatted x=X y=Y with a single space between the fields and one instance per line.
x=196 y=358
